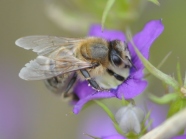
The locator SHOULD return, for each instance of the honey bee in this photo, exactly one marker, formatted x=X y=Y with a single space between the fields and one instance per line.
x=61 y=62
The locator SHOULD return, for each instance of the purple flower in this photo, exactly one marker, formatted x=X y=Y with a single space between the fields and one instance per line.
x=135 y=84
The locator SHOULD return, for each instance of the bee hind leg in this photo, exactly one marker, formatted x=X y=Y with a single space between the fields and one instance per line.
x=70 y=84
x=93 y=83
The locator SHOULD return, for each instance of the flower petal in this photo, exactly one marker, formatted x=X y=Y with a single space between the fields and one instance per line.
x=95 y=30
x=82 y=89
x=78 y=106
x=131 y=88
x=144 y=39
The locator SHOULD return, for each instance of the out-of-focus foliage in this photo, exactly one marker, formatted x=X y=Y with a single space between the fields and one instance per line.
x=106 y=10
x=155 y=2
x=119 y=11
x=111 y=13
x=126 y=10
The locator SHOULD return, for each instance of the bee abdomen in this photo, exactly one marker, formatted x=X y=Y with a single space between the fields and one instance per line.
x=53 y=84
x=58 y=84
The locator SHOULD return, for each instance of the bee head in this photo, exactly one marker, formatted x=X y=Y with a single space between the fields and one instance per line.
x=119 y=54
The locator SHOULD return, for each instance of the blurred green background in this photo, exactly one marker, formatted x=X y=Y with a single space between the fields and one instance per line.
x=27 y=109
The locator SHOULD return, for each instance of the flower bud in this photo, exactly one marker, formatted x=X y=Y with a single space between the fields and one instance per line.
x=129 y=118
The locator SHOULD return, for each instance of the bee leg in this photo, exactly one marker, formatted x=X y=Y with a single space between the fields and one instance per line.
x=91 y=81
x=70 y=84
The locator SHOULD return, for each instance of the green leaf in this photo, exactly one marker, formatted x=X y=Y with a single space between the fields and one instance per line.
x=164 y=99
x=109 y=4
x=155 y=2
x=147 y=122
x=110 y=114
x=148 y=125
x=153 y=70
x=179 y=73
x=164 y=60
x=176 y=106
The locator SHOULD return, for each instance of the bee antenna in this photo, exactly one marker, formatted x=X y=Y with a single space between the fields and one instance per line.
x=120 y=58
x=128 y=60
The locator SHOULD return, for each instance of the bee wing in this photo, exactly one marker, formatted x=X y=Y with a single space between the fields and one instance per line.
x=43 y=67
x=56 y=56
x=44 y=45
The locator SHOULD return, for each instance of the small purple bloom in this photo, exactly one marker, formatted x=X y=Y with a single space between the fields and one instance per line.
x=135 y=84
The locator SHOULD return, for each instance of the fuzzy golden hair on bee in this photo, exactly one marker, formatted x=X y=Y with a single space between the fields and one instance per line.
x=94 y=49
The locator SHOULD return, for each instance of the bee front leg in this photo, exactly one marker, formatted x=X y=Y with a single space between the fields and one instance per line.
x=93 y=83
x=70 y=84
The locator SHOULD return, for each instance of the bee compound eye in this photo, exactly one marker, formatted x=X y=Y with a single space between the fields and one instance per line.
x=117 y=61
x=115 y=56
